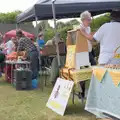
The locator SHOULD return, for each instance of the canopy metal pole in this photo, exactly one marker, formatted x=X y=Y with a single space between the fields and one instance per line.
x=16 y=26
x=37 y=31
x=55 y=30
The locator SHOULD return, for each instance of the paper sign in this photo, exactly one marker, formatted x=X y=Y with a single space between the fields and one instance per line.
x=59 y=97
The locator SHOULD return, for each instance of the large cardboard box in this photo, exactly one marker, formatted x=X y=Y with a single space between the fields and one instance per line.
x=51 y=49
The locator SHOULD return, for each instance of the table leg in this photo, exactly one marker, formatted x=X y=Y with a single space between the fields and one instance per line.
x=45 y=80
x=73 y=96
x=29 y=65
x=6 y=71
x=11 y=73
x=82 y=98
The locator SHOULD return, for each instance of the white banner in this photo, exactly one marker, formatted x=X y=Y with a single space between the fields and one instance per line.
x=60 y=95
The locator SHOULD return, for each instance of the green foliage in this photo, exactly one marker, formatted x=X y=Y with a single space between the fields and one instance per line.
x=48 y=30
x=63 y=32
x=60 y=25
x=9 y=18
x=73 y=22
x=43 y=25
x=49 y=33
x=64 y=27
x=99 y=21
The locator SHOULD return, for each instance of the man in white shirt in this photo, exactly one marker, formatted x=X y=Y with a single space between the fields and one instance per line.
x=108 y=36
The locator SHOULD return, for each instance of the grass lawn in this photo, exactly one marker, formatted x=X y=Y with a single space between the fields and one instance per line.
x=31 y=105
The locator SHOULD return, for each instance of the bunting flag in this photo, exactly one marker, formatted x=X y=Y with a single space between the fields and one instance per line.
x=115 y=77
x=99 y=73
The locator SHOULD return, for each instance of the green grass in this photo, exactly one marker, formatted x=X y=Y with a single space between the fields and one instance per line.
x=31 y=105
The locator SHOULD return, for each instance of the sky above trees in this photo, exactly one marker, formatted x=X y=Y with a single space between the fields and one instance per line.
x=12 y=5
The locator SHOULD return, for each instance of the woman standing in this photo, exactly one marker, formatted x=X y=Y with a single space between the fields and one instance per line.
x=85 y=27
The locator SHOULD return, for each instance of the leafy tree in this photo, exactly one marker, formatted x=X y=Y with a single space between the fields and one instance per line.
x=63 y=32
x=9 y=17
x=73 y=22
x=60 y=25
x=43 y=25
x=66 y=27
x=47 y=29
x=49 y=33
x=99 y=21
x=62 y=28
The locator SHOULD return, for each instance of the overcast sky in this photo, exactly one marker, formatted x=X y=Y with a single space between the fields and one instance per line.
x=12 y=5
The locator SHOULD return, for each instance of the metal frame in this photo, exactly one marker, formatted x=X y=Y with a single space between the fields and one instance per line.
x=55 y=30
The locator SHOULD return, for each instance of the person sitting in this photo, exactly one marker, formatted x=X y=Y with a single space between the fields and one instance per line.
x=10 y=46
x=41 y=41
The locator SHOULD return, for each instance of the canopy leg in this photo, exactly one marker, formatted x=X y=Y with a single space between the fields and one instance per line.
x=37 y=30
x=55 y=30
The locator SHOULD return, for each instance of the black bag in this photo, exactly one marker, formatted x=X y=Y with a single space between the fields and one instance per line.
x=23 y=79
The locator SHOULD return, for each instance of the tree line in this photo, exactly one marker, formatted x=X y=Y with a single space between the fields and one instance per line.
x=62 y=28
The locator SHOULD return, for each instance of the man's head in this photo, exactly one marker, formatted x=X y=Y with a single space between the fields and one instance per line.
x=115 y=15
x=19 y=34
x=41 y=36
x=86 y=18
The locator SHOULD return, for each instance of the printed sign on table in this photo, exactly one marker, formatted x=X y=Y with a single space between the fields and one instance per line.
x=60 y=95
